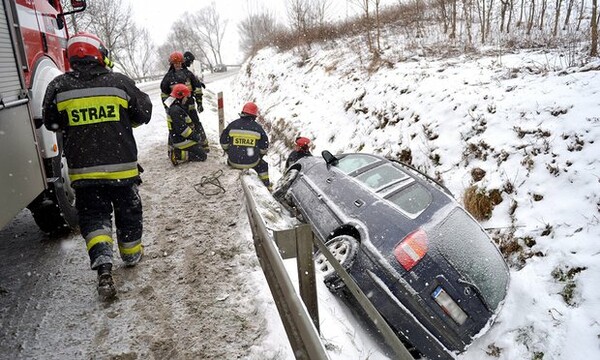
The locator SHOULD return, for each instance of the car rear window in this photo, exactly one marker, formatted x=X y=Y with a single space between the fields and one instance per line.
x=412 y=199
x=382 y=176
x=470 y=250
x=351 y=163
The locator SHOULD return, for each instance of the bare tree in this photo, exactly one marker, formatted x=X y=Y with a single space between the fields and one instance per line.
x=210 y=30
x=556 y=16
x=453 y=20
x=504 y=6
x=298 y=13
x=468 y=21
x=544 y=6
x=256 y=32
x=110 y=20
x=444 y=16
x=521 y=13
x=370 y=24
x=581 y=16
x=531 y=17
x=569 y=5
x=305 y=16
x=594 y=29
x=484 y=11
x=113 y=23
x=378 y=25
x=138 y=57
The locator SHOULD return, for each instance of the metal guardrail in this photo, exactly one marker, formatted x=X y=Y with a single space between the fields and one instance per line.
x=298 y=243
x=301 y=332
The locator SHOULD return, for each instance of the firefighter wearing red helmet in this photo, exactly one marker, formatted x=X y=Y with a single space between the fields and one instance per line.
x=178 y=73
x=95 y=110
x=301 y=149
x=183 y=139
x=246 y=142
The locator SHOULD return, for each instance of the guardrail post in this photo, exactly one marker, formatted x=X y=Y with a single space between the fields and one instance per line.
x=286 y=242
x=220 y=112
x=306 y=271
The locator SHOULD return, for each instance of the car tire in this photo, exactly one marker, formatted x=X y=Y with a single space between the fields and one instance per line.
x=284 y=185
x=344 y=248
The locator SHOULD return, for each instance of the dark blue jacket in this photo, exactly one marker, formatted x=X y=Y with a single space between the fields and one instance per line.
x=181 y=133
x=96 y=110
x=245 y=142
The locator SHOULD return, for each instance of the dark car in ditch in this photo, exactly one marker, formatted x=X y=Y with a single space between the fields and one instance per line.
x=427 y=265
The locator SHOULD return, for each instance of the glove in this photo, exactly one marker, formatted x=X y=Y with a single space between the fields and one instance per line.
x=200 y=107
x=202 y=85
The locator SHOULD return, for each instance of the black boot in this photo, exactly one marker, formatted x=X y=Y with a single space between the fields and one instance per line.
x=106 y=285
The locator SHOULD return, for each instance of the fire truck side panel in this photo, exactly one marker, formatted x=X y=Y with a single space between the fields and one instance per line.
x=21 y=177
x=45 y=45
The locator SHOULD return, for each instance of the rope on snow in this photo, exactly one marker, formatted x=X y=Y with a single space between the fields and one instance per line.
x=212 y=179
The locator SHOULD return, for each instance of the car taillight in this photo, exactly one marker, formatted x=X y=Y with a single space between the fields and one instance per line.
x=412 y=249
x=449 y=306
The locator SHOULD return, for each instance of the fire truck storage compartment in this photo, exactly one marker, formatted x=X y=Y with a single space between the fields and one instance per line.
x=21 y=174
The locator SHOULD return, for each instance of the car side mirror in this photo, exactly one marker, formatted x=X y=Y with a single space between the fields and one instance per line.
x=329 y=158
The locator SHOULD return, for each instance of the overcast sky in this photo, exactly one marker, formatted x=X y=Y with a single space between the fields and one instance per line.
x=157 y=16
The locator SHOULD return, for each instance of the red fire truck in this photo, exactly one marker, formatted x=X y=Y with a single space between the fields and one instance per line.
x=33 y=172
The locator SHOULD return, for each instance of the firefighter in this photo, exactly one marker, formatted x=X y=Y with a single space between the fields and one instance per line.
x=197 y=85
x=177 y=74
x=96 y=110
x=301 y=149
x=183 y=137
x=246 y=142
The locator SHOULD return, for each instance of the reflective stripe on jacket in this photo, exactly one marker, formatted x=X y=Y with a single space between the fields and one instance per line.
x=96 y=111
x=180 y=132
x=245 y=142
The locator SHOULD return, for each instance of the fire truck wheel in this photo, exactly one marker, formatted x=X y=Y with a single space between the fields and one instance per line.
x=54 y=210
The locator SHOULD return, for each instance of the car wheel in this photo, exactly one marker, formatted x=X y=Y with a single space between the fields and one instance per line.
x=284 y=185
x=344 y=249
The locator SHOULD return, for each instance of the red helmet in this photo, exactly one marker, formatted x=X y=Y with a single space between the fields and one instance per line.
x=176 y=57
x=85 y=44
x=250 y=108
x=180 y=91
x=302 y=142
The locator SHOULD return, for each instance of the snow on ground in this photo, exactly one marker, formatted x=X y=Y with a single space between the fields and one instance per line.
x=529 y=122
x=532 y=125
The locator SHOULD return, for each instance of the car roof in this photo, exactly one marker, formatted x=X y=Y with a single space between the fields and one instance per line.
x=393 y=181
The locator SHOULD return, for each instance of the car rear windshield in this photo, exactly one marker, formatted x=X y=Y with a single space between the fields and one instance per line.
x=353 y=162
x=470 y=250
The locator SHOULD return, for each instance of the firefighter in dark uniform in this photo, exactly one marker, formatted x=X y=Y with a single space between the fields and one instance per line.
x=246 y=142
x=96 y=110
x=178 y=74
x=197 y=84
x=184 y=139
x=301 y=149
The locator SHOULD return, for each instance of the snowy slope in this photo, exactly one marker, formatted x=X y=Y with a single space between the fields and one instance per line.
x=531 y=124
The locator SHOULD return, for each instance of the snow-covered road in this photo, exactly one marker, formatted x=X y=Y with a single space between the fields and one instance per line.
x=196 y=294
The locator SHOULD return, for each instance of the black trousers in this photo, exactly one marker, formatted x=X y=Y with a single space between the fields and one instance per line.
x=198 y=127
x=95 y=205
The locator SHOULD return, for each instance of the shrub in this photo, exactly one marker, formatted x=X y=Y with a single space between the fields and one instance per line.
x=478 y=202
